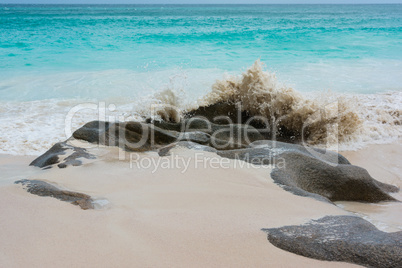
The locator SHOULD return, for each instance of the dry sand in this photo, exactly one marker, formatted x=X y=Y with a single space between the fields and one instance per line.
x=199 y=217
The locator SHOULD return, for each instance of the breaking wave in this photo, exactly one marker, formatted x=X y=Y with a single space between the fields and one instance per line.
x=344 y=121
x=347 y=121
x=261 y=94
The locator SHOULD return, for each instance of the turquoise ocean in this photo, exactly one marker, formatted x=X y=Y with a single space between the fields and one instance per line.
x=55 y=57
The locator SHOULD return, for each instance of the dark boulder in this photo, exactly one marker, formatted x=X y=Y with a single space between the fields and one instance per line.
x=317 y=173
x=137 y=136
x=303 y=170
x=342 y=182
x=341 y=238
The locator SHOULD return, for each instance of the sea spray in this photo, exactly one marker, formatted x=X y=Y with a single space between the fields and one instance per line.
x=259 y=93
x=165 y=104
x=324 y=119
x=32 y=127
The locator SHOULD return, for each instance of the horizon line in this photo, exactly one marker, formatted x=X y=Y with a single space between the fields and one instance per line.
x=192 y=4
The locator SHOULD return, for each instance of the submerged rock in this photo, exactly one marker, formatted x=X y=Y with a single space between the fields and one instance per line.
x=341 y=238
x=42 y=188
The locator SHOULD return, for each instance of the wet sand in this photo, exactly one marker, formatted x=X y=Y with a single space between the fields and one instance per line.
x=198 y=217
x=384 y=163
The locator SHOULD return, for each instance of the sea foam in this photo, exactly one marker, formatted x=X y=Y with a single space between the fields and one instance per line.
x=334 y=120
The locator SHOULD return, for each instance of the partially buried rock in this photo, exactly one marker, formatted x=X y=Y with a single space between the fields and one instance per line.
x=342 y=182
x=42 y=188
x=312 y=172
x=52 y=156
x=341 y=238
x=303 y=170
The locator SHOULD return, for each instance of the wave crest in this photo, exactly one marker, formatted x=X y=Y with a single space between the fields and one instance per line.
x=316 y=121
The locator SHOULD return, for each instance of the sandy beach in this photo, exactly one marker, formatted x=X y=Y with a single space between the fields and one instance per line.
x=171 y=217
x=199 y=133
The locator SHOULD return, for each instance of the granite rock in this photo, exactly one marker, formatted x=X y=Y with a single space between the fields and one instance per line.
x=341 y=238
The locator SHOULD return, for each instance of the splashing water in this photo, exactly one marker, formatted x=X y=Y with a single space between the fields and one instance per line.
x=346 y=121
